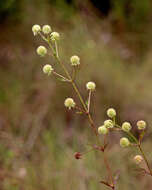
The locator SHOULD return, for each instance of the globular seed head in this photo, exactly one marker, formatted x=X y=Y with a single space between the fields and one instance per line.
x=75 y=60
x=108 y=123
x=126 y=126
x=55 y=36
x=124 y=142
x=47 y=69
x=111 y=112
x=102 y=130
x=69 y=103
x=138 y=159
x=141 y=125
x=36 y=29
x=46 y=29
x=91 y=86
x=42 y=51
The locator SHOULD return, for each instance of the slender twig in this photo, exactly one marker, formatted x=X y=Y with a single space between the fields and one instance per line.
x=106 y=162
x=80 y=109
x=56 y=49
x=73 y=73
x=144 y=156
x=109 y=171
x=89 y=101
x=61 y=76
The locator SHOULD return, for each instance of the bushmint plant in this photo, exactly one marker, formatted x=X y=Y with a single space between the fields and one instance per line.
x=52 y=39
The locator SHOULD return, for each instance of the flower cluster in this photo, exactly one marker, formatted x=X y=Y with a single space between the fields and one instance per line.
x=129 y=139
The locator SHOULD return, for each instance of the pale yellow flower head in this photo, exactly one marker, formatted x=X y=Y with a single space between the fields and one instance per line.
x=124 y=142
x=42 y=51
x=111 y=112
x=46 y=29
x=91 y=86
x=102 y=130
x=47 y=69
x=36 y=29
x=69 y=103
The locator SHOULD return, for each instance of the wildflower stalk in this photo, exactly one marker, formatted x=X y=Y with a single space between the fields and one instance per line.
x=110 y=124
x=75 y=88
x=139 y=147
x=52 y=43
x=89 y=100
x=87 y=109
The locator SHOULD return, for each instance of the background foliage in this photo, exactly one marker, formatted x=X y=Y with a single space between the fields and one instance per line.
x=38 y=135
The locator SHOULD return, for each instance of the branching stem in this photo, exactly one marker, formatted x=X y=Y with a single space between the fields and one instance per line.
x=56 y=56
x=139 y=147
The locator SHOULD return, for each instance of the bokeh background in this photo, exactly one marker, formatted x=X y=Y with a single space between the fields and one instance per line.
x=38 y=136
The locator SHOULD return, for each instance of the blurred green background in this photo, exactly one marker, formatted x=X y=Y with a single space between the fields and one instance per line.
x=38 y=136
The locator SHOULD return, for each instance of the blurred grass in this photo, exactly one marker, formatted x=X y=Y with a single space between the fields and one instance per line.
x=38 y=136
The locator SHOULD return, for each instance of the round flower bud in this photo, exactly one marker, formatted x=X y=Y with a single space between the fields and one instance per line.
x=42 y=51
x=141 y=125
x=77 y=155
x=47 y=69
x=111 y=112
x=36 y=29
x=46 y=29
x=91 y=86
x=69 y=103
x=108 y=123
x=124 y=142
x=126 y=126
x=55 y=36
x=102 y=130
x=75 y=60
x=138 y=159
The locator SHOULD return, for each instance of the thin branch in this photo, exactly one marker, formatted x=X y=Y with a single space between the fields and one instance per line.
x=89 y=101
x=56 y=49
x=61 y=76
x=144 y=156
x=73 y=73
x=107 y=164
x=80 y=109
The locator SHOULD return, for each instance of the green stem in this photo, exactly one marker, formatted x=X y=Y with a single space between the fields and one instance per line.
x=84 y=106
x=144 y=156
x=129 y=133
x=89 y=101
x=62 y=77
